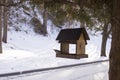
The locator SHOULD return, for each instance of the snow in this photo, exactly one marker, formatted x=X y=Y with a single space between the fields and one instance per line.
x=73 y=73
x=32 y=51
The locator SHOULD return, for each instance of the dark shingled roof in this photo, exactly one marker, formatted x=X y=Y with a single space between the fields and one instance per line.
x=72 y=34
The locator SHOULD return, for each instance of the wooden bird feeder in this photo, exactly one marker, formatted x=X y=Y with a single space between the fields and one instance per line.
x=77 y=36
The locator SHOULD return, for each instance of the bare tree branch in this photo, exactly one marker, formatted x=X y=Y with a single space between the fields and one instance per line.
x=12 y=4
x=109 y=31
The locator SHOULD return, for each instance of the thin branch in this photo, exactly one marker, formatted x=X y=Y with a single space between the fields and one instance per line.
x=109 y=31
x=71 y=3
x=12 y=4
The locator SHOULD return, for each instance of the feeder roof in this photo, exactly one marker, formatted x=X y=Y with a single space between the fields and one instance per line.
x=72 y=34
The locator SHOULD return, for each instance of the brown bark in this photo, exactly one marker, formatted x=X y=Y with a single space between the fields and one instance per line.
x=82 y=24
x=104 y=40
x=114 y=70
x=0 y=28
x=5 y=19
x=44 y=21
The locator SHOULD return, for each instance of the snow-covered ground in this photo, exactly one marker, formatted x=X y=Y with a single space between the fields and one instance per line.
x=30 y=51
x=97 y=71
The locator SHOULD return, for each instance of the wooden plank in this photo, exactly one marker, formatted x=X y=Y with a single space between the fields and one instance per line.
x=57 y=51
x=72 y=56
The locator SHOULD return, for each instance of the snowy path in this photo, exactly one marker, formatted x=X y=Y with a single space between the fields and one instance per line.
x=96 y=71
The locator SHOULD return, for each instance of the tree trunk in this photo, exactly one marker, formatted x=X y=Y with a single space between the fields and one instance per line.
x=82 y=24
x=5 y=26
x=44 y=21
x=104 y=40
x=0 y=28
x=114 y=70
